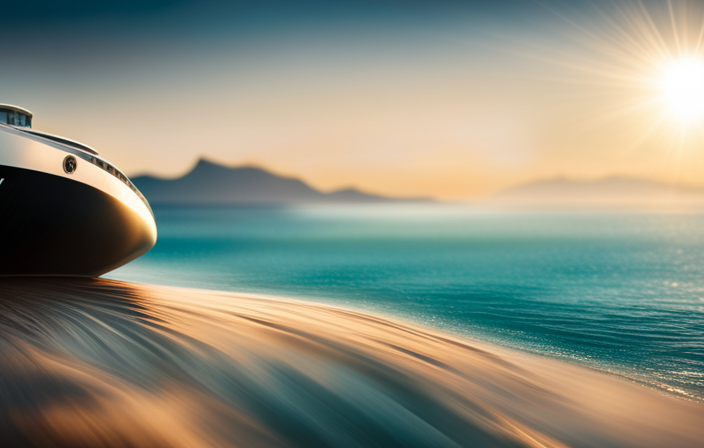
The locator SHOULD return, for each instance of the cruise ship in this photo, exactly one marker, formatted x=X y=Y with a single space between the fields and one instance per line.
x=64 y=210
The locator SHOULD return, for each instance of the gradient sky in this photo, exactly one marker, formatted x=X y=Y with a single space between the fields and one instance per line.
x=451 y=99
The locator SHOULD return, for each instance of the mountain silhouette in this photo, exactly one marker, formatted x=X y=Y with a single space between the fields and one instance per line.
x=213 y=184
x=611 y=190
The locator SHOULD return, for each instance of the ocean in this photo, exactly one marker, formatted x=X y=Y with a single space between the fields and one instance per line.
x=619 y=292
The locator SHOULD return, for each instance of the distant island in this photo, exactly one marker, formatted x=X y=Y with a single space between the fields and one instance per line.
x=616 y=191
x=210 y=183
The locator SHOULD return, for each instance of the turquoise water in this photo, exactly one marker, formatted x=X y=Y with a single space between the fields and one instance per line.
x=620 y=292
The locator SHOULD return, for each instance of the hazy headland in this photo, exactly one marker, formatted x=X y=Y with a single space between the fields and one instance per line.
x=210 y=183
x=613 y=192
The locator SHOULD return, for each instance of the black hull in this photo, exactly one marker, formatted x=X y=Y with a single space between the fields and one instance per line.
x=50 y=225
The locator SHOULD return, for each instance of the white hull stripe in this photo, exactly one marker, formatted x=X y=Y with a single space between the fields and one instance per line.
x=22 y=150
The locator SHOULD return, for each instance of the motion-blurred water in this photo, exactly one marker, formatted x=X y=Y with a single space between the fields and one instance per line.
x=621 y=292
x=95 y=362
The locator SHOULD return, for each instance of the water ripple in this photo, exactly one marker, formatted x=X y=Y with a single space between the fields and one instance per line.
x=105 y=363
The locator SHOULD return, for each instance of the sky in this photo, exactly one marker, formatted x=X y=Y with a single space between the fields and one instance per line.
x=450 y=99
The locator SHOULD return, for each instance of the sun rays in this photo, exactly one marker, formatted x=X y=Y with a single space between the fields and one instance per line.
x=683 y=89
x=635 y=76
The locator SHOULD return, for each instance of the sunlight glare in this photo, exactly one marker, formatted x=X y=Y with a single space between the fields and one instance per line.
x=683 y=86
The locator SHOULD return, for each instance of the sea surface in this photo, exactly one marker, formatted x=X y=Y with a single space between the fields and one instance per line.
x=99 y=362
x=621 y=292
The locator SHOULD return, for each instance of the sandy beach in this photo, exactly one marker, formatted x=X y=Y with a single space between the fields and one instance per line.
x=106 y=363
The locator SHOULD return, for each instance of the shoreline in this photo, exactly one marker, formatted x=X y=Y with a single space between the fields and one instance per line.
x=107 y=361
x=507 y=351
x=496 y=345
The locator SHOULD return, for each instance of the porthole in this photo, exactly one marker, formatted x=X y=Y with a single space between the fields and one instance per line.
x=70 y=165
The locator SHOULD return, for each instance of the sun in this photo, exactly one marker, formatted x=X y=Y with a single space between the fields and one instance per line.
x=683 y=90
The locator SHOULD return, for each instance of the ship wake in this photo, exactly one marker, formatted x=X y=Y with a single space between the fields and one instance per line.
x=106 y=363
